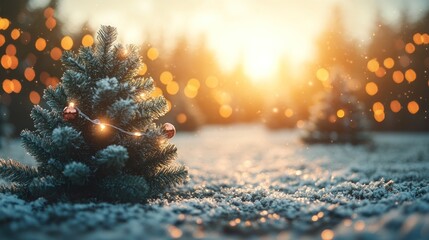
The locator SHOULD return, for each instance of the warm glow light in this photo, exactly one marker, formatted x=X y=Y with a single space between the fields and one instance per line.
x=379 y=117
x=389 y=63
x=16 y=86
x=395 y=106
x=398 y=77
x=87 y=40
x=410 y=75
x=67 y=43
x=378 y=107
x=166 y=77
x=157 y=92
x=181 y=118
x=373 y=65
x=371 y=88
x=102 y=126
x=288 y=112
x=40 y=44
x=341 y=113
x=425 y=37
x=327 y=234
x=56 y=53
x=48 y=12
x=142 y=70
x=225 y=111
x=380 y=72
x=2 y=40
x=212 y=82
x=4 y=23
x=34 y=97
x=172 y=88
x=71 y=104
x=6 y=61
x=15 y=62
x=11 y=50
x=138 y=134
x=29 y=74
x=418 y=39
x=413 y=107
x=190 y=91
x=7 y=86
x=15 y=34
x=152 y=53
x=50 y=23
x=322 y=74
x=194 y=83
x=410 y=48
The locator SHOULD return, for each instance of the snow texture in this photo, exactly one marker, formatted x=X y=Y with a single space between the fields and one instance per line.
x=248 y=182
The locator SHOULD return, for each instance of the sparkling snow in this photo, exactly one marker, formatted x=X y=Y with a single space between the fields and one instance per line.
x=246 y=181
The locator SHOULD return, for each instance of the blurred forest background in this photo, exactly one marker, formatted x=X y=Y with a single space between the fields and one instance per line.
x=389 y=75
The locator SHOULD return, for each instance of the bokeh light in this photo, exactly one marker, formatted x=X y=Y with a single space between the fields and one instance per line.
x=413 y=107
x=16 y=86
x=395 y=106
x=87 y=40
x=288 y=113
x=56 y=53
x=212 y=82
x=322 y=74
x=67 y=43
x=340 y=113
x=2 y=40
x=11 y=50
x=225 y=111
x=40 y=44
x=15 y=33
x=166 y=77
x=381 y=72
x=142 y=70
x=157 y=92
x=398 y=77
x=50 y=23
x=389 y=63
x=34 y=97
x=410 y=48
x=410 y=75
x=373 y=65
x=181 y=118
x=29 y=74
x=172 y=88
x=7 y=86
x=371 y=88
x=152 y=53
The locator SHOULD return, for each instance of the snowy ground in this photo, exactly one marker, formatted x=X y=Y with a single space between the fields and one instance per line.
x=249 y=182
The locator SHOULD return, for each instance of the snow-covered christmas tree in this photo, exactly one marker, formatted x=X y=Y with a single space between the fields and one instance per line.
x=97 y=139
x=337 y=117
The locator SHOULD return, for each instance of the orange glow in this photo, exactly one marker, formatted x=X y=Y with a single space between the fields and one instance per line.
x=15 y=34
x=56 y=53
x=341 y=113
x=410 y=48
x=152 y=53
x=166 y=77
x=168 y=105
x=322 y=74
x=29 y=74
x=15 y=62
x=212 y=82
x=2 y=40
x=395 y=106
x=379 y=117
x=398 y=77
x=371 y=88
x=425 y=38
x=49 y=12
x=413 y=107
x=190 y=91
x=172 y=88
x=4 y=23
x=410 y=75
x=16 y=86
x=6 y=61
x=389 y=63
x=142 y=70
x=377 y=108
x=181 y=118
x=67 y=43
x=418 y=39
x=102 y=126
x=34 y=97
x=40 y=44
x=7 y=86
x=11 y=50
x=373 y=65
x=194 y=83
x=87 y=40
x=225 y=111
x=380 y=72
x=288 y=112
x=327 y=234
x=157 y=92
x=50 y=23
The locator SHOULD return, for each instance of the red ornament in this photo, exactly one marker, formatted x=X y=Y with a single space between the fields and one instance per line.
x=69 y=113
x=169 y=130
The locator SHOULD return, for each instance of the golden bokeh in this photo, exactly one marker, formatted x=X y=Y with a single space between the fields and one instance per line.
x=373 y=65
x=172 y=88
x=157 y=92
x=87 y=40
x=6 y=61
x=40 y=44
x=395 y=106
x=425 y=37
x=379 y=116
x=377 y=108
x=398 y=76
x=16 y=86
x=288 y=112
x=15 y=34
x=166 y=77
x=168 y=105
x=413 y=107
x=410 y=48
x=225 y=111
x=152 y=53
x=340 y=113
x=15 y=62
x=142 y=70
x=50 y=23
x=212 y=82
x=190 y=91
x=418 y=39
x=48 y=12
x=181 y=118
x=7 y=86
x=381 y=72
x=56 y=53
x=34 y=97
x=410 y=75
x=371 y=88
x=389 y=63
x=29 y=74
x=327 y=234
x=4 y=23
x=193 y=82
x=2 y=40
x=11 y=50
x=67 y=43
x=322 y=74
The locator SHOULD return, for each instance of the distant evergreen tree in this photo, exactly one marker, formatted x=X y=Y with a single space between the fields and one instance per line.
x=338 y=117
x=76 y=160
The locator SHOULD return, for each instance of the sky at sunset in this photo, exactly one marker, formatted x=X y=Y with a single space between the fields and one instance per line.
x=258 y=32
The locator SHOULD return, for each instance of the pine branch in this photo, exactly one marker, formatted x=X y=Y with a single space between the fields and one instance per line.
x=55 y=98
x=159 y=159
x=106 y=37
x=70 y=62
x=45 y=121
x=36 y=145
x=166 y=178
x=123 y=188
x=16 y=172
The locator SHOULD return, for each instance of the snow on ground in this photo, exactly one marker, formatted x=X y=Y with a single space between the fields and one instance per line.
x=246 y=181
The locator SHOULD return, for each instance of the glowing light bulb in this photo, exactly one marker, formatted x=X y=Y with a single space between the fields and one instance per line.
x=71 y=104
x=102 y=126
x=138 y=134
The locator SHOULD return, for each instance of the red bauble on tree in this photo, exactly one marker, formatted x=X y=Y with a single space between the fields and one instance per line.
x=168 y=130
x=70 y=113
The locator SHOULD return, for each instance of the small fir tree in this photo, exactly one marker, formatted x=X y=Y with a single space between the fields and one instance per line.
x=104 y=147
x=338 y=117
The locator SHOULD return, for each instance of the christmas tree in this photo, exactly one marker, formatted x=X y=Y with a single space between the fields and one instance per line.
x=338 y=117
x=97 y=140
